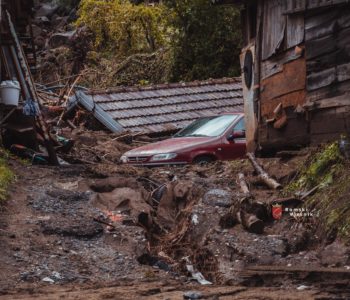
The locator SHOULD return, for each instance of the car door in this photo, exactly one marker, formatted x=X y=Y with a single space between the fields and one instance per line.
x=234 y=147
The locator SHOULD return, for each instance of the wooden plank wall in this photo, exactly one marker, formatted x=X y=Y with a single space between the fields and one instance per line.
x=282 y=75
x=327 y=42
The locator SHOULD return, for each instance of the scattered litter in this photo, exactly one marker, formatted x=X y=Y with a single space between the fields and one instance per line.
x=195 y=219
x=302 y=287
x=196 y=274
x=48 y=280
x=56 y=275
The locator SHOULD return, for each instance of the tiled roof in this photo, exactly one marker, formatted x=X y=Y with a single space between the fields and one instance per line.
x=167 y=107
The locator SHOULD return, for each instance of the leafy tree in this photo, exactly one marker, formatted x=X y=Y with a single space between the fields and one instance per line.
x=206 y=39
x=123 y=26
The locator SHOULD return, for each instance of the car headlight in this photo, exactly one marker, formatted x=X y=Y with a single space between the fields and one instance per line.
x=163 y=156
x=124 y=159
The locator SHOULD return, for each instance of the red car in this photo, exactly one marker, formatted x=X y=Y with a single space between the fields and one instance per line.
x=205 y=140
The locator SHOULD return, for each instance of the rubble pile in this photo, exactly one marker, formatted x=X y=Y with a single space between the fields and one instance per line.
x=61 y=48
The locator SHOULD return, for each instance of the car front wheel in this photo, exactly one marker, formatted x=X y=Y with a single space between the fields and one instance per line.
x=203 y=159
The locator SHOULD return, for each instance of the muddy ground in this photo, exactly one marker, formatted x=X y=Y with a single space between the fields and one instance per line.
x=107 y=231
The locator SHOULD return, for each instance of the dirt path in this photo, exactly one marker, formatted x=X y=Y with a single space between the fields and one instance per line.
x=52 y=249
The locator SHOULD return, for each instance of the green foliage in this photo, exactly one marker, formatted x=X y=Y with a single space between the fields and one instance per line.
x=6 y=177
x=124 y=27
x=206 y=39
x=198 y=40
x=320 y=171
x=328 y=170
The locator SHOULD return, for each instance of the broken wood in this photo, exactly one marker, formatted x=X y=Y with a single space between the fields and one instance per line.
x=103 y=222
x=247 y=212
x=250 y=222
x=243 y=184
x=263 y=176
x=310 y=192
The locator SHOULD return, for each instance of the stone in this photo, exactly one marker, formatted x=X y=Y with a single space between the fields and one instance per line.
x=46 y=10
x=335 y=254
x=61 y=39
x=37 y=31
x=218 y=197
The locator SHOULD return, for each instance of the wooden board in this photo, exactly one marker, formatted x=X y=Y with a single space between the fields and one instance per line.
x=321 y=25
x=329 y=92
x=290 y=80
x=321 y=79
x=336 y=122
x=275 y=64
x=313 y=4
x=294 y=6
x=293 y=135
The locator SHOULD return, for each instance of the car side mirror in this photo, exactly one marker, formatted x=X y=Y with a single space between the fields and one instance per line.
x=236 y=135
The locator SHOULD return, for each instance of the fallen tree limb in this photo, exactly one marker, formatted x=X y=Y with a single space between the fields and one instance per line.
x=270 y=182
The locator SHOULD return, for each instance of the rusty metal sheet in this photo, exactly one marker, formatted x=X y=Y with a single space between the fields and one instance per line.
x=292 y=79
x=291 y=99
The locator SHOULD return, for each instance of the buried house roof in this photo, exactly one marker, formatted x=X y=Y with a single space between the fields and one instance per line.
x=161 y=108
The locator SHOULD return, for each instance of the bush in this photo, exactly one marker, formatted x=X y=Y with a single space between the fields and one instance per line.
x=6 y=177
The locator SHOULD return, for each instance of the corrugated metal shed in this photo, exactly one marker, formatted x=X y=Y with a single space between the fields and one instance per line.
x=161 y=108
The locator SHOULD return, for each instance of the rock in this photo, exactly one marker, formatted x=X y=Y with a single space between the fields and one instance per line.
x=37 y=31
x=56 y=275
x=40 y=41
x=46 y=10
x=79 y=227
x=41 y=21
x=335 y=254
x=61 y=39
x=59 y=22
x=193 y=295
x=218 y=197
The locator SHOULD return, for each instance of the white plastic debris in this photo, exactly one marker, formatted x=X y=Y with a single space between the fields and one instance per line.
x=195 y=219
x=56 y=275
x=48 y=280
x=196 y=274
x=302 y=287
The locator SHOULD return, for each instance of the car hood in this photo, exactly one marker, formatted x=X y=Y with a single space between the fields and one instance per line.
x=169 y=146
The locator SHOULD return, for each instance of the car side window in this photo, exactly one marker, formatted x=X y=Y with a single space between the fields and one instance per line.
x=240 y=126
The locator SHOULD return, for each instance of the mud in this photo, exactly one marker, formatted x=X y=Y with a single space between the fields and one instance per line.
x=116 y=232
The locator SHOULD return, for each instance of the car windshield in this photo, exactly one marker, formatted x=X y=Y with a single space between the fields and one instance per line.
x=209 y=126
